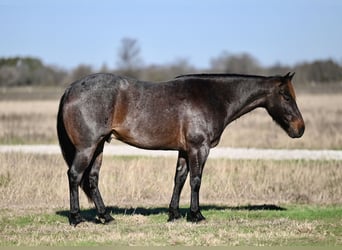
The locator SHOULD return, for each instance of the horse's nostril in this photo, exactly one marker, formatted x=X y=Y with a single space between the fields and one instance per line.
x=301 y=130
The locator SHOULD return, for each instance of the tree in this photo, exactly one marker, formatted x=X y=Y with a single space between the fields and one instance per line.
x=81 y=71
x=129 y=60
x=320 y=71
x=240 y=63
x=163 y=72
x=24 y=71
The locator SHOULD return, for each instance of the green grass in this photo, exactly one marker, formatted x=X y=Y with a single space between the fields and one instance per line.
x=292 y=225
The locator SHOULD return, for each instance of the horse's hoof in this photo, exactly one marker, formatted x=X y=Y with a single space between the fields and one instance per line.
x=109 y=220
x=174 y=215
x=75 y=219
x=106 y=218
x=173 y=218
x=195 y=216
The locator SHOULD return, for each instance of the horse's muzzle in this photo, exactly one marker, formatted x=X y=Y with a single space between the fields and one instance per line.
x=297 y=128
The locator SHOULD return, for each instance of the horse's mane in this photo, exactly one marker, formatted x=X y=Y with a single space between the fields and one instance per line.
x=231 y=76
x=215 y=75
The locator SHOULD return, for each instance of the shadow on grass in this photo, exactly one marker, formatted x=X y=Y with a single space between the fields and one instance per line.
x=90 y=214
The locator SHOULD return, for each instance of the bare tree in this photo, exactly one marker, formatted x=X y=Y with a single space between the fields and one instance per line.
x=129 y=57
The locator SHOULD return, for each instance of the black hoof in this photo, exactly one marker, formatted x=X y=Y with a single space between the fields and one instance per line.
x=174 y=214
x=105 y=218
x=195 y=216
x=75 y=219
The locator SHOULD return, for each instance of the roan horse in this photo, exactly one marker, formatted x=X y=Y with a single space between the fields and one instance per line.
x=187 y=114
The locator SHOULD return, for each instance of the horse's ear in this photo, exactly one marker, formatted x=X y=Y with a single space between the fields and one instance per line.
x=289 y=76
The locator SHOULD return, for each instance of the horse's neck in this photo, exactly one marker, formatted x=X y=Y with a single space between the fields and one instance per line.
x=248 y=95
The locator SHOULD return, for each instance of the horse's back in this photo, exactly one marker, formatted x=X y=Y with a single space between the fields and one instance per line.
x=100 y=83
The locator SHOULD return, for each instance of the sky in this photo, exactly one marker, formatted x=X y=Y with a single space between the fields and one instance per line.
x=67 y=33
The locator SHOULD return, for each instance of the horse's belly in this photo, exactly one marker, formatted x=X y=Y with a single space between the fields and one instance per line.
x=149 y=138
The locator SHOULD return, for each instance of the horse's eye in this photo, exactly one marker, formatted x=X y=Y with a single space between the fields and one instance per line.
x=286 y=97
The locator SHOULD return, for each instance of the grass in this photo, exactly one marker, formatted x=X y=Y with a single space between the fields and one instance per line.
x=295 y=226
x=28 y=122
x=34 y=122
x=246 y=202
x=29 y=180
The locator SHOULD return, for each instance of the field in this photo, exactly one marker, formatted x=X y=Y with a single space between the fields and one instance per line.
x=246 y=202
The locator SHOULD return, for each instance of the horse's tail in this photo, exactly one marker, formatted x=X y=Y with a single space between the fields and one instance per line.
x=67 y=147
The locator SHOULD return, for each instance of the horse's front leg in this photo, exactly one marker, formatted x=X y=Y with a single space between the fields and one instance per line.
x=197 y=159
x=180 y=178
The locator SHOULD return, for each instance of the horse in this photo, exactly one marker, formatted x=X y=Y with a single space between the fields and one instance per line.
x=188 y=113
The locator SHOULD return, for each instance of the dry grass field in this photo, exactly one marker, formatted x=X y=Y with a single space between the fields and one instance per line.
x=33 y=122
x=33 y=181
x=246 y=202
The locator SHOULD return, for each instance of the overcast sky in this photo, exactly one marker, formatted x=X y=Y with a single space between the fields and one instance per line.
x=67 y=33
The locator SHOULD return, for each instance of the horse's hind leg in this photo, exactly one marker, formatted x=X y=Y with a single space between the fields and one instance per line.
x=94 y=191
x=80 y=163
x=180 y=178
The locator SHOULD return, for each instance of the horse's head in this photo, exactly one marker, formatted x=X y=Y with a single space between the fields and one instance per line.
x=281 y=105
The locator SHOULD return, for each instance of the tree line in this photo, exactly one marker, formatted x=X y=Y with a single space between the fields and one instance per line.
x=28 y=71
